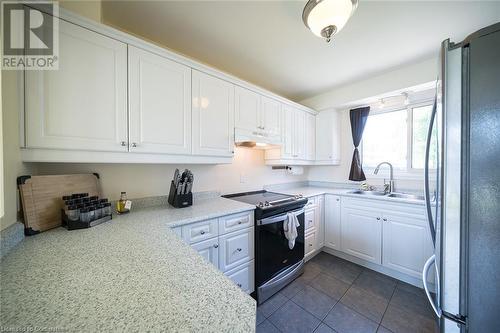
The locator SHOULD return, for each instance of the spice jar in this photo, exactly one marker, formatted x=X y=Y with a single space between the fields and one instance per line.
x=84 y=215
x=91 y=213
x=98 y=212
x=73 y=213
x=107 y=209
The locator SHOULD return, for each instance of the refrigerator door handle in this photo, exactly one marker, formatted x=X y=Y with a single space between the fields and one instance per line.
x=426 y=175
x=425 y=271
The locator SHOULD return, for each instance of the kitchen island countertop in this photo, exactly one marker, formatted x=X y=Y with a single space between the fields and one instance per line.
x=129 y=274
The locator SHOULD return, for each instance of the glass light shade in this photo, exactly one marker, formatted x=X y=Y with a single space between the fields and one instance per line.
x=319 y=14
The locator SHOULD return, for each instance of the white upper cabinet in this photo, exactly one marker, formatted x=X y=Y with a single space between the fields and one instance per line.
x=213 y=115
x=299 y=135
x=247 y=109
x=83 y=104
x=256 y=114
x=271 y=116
x=328 y=137
x=160 y=104
x=310 y=137
x=288 y=116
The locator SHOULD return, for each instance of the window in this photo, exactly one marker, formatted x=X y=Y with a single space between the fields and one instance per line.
x=398 y=137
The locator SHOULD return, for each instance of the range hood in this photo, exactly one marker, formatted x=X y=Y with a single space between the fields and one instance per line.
x=256 y=139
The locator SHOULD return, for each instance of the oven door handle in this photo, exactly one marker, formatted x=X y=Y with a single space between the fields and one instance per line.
x=282 y=217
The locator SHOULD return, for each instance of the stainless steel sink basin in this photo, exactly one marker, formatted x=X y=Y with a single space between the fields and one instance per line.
x=367 y=192
x=406 y=196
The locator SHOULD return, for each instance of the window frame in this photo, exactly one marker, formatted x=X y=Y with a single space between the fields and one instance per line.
x=409 y=172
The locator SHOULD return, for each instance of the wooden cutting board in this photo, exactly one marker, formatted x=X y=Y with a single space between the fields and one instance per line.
x=41 y=198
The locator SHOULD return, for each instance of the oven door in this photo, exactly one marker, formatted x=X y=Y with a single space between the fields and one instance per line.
x=272 y=251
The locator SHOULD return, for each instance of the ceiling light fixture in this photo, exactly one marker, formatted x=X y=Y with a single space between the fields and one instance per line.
x=325 y=18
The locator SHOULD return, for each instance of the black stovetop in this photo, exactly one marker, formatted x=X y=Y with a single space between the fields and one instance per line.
x=269 y=202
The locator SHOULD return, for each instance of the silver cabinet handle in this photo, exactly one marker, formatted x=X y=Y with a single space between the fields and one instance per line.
x=202 y=232
x=310 y=245
x=310 y=221
x=134 y=145
x=216 y=245
x=123 y=143
x=238 y=249
x=385 y=220
x=239 y=222
x=239 y=285
x=378 y=218
x=338 y=199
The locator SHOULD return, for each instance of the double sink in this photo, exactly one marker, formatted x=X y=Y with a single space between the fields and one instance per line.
x=389 y=195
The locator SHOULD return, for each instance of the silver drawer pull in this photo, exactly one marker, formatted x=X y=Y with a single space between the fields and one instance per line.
x=378 y=218
x=240 y=222
x=216 y=245
x=310 y=221
x=238 y=249
x=123 y=143
x=385 y=220
x=239 y=285
x=202 y=232
x=310 y=245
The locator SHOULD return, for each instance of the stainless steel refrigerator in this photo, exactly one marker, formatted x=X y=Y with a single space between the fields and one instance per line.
x=463 y=190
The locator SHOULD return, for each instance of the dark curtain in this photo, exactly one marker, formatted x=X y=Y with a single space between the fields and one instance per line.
x=358 y=122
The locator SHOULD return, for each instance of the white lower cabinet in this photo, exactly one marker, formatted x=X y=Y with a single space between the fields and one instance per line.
x=332 y=221
x=209 y=250
x=236 y=248
x=243 y=276
x=361 y=232
x=228 y=243
x=407 y=243
x=320 y=220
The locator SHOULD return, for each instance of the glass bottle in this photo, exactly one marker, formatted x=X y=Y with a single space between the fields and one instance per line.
x=120 y=204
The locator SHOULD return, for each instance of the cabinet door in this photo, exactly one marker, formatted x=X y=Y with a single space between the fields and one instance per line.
x=362 y=234
x=160 y=104
x=332 y=221
x=310 y=136
x=271 y=116
x=328 y=137
x=299 y=146
x=209 y=250
x=320 y=220
x=83 y=104
x=407 y=243
x=247 y=109
x=288 y=116
x=236 y=248
x=213 y=116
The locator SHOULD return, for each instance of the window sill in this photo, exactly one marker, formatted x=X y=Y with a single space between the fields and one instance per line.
x=398 y=174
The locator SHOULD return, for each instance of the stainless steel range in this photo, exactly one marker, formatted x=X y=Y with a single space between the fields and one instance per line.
x=276 y=265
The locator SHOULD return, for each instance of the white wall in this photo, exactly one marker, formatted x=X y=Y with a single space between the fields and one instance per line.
x=152 y=180
x=399 y=79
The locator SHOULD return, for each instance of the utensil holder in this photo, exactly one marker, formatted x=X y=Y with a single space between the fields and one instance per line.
x=179 y=200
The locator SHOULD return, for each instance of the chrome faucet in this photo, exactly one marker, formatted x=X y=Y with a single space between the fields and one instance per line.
x=388 y=187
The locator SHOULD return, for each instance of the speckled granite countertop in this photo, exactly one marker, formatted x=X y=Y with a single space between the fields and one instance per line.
x=128 y=274
x=311 y=191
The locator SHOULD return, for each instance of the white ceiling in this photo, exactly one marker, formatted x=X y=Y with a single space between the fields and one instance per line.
x=266 y=43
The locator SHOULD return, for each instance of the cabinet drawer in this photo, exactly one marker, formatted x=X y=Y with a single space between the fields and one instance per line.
x=199 y=231
x=243 y=276
x=309 y=219
x=235 y=222
x=310 y=243
x=236 y=248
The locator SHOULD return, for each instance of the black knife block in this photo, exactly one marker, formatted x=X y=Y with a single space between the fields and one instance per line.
x=179 y=200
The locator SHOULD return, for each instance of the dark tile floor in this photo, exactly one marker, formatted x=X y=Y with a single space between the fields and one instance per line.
x=335 y=295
